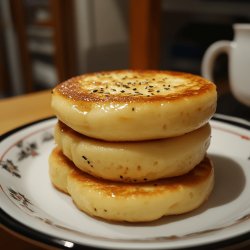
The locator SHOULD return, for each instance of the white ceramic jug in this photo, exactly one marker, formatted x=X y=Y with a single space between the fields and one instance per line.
x=238 y=52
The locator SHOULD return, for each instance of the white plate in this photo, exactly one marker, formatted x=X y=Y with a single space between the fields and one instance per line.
x=32 y=207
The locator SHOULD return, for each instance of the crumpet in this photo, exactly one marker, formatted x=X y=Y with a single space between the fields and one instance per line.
x=138 y=202
x=134 y=105
x=134 y=161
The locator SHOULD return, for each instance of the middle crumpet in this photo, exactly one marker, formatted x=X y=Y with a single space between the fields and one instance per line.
x=134 y=161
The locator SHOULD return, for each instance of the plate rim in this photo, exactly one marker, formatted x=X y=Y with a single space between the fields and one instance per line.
x=26 y=125
x=23 y=231
x=10 y=223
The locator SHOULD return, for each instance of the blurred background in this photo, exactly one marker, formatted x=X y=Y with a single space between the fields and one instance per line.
x=43 y=42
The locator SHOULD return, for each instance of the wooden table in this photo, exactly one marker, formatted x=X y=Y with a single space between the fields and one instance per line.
x=18 y=111
x=13 y=113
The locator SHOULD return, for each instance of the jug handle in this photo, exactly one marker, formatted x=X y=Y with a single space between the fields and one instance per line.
x=210 y=56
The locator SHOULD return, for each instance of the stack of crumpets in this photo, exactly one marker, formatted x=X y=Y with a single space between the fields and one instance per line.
x=131 y=144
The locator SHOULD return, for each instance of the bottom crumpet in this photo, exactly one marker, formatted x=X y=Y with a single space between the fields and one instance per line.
x=138 y=202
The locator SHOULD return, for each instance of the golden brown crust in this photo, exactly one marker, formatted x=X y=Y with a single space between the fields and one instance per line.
x=117 y=189
x=128 y=86
x=134 y=105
